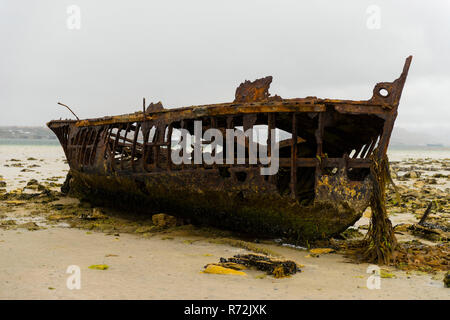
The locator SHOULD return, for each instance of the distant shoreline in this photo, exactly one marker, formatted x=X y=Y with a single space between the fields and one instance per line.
x=55 y=142
x=29 y=142
x=409 y=147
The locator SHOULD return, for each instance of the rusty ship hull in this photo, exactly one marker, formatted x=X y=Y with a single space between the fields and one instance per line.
x=322 y=186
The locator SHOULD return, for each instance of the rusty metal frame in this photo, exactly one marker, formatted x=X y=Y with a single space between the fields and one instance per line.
x=92 y=147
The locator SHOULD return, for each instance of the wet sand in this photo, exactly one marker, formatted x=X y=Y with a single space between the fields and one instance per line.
x=169 y=264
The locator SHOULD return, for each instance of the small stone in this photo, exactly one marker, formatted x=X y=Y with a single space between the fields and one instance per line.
x=164 y=220
x=57 y=217
x=98 y=214
x=8 y=223
x=431 y=181
x=419 y=184
x=31 y=226
x=145 y=229
x=447 y=280
x=412 y=175
x=33 y=182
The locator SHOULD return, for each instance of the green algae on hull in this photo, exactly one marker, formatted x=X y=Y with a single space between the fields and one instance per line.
x=263 y=214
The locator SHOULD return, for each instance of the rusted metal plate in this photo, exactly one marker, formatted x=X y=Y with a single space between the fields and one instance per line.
x=257 y=90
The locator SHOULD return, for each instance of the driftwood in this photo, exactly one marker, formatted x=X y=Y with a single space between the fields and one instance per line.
x=433 y=234
x=276 y=267
x=429 y=231
x=426 y=213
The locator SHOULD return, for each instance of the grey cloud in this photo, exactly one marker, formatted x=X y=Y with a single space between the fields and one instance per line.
x=194 y=52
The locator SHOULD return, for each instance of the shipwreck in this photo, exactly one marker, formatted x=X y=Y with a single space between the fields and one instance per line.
x=325 y=150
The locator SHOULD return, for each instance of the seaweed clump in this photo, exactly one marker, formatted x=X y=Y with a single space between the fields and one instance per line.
x=414 y=255
x=380 y=242
x=275 y=267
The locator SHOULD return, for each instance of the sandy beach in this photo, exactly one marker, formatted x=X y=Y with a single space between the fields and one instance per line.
x=39 y=240
x=35 y=262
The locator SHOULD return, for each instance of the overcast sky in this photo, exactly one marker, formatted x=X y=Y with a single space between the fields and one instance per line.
x=195 y=52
